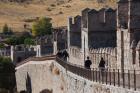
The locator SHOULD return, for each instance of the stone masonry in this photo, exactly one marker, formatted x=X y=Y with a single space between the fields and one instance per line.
x=49 y=75
x=114 y=34
x=128 y=54
x=93 y=31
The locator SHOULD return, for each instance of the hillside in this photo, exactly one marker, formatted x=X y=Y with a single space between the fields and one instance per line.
x=17 y=13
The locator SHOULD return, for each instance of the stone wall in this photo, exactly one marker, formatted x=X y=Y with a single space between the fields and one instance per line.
x=102 y=39
x=37 y=73
x=98 y=28
x=128 y=34
x=85 y=17
x=20 y=52
x=76 y=56
x=94 y=29
x=109 y=55
x=75 y=39
x=49 y=75
x=122 y=13
x=74 y=31
x=102 y=20
x=135 y=14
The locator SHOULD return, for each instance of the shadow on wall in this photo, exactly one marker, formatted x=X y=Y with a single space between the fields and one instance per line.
x=28 y=84
x=23 y=91
x=46 y=91
x=29 y=87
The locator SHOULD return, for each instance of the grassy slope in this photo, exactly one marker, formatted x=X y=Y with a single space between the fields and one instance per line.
x=13 y=13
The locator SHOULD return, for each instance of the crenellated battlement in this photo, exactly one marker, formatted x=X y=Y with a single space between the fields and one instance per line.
x=99 y=20
x=107 y=33
x=74 y=31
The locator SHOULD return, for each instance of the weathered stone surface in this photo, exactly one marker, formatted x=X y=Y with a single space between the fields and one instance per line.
x=109 y=55
x=99 y=30
x=128 y=34
x=66 y=82
x=39 y=73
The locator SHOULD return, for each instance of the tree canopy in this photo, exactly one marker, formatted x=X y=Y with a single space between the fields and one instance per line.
x=1 y=46
x=15 y=40
x=12 y=41
x=6 y=65
x=7 y=30
x=29 y=41
x=7 y=73
x=42 y=27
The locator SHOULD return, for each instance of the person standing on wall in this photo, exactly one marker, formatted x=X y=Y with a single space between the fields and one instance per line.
x=102 y=66
x=87 y=63
x=59 y=54
x=65 y=55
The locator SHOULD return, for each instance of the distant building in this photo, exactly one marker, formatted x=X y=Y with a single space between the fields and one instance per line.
x=20 y=53
x=5 y=51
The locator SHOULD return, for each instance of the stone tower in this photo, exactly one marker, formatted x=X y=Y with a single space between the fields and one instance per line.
x=128 y=21
x=84 y=34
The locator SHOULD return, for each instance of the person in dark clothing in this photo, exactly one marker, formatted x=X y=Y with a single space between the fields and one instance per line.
x=59 y=54
x=87 y=63
x=102 y=64
x=65 y=55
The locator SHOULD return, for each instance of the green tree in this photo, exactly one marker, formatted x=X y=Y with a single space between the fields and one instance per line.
x=42 y=27
x=7 y=74
x=29 y=41
x=7 y=65
x=1 y=46
x=5 y=29
x=22 y=38
x=12 y=41
x=10 y=32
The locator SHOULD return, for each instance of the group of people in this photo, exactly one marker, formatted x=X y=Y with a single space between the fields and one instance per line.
x=88 y=63
x=63 y=54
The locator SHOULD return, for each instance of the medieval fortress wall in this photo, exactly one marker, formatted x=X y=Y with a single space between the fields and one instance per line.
x=109 y=55
x=111 y=34
x=97 y=37
x=50 y=76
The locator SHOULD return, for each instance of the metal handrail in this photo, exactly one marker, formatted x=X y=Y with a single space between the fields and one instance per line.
x=113 y=77
x=127 y=79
